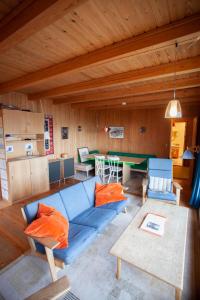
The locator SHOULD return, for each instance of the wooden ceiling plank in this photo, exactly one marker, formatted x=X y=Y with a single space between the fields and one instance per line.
x=185 y=65
x=184 y=101
x=161 y=35
x=183 y=93
x=124 y=92
x=32 y=16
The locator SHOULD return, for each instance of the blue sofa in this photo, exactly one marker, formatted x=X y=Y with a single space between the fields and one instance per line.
x=76 y=203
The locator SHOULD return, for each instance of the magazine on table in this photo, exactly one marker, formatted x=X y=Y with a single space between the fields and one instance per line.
x=154 y=223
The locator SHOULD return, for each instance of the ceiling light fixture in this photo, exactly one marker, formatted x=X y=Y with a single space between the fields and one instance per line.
x=173 y=109
x=124 y=103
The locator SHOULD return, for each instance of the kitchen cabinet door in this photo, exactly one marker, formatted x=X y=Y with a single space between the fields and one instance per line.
x=39 y=175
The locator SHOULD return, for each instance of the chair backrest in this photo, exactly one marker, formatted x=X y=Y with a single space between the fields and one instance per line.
x=113 y=162
x=82 y=152
x=160 y=167
x=99 y=164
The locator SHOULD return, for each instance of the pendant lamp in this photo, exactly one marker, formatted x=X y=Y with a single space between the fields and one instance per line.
x=173 y=109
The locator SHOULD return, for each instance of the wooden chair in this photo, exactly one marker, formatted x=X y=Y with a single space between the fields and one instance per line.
x=83 y=165
x=161 y=169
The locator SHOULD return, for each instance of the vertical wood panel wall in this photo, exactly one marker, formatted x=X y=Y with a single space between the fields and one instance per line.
x=156 y=139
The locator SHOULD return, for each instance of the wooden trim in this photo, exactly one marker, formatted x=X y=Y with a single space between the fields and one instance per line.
x=165 y=34
x=52 y=266
x=30 y=17
x=185 y=65
x=124 y=92
x=187 y=95
x=53 y=291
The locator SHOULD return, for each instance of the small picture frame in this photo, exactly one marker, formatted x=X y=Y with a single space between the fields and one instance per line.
x=65 y=133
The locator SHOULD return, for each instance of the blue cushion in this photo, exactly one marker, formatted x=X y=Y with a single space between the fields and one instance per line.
x=117 y=206
x=75 y=200
x=53 y=200
x=89 y=186
x=95 y=217
x=160 y=173
x=160 y=164
x=79 y=237
x=161 y=195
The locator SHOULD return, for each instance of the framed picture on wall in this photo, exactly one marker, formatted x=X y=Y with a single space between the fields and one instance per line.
x=64 y=133
x=116 y=132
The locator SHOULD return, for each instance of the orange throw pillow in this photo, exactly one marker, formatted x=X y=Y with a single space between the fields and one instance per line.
x=50 y=223
x=108 y=193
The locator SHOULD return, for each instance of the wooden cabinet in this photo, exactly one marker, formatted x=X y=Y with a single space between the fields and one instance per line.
x=22 y=122
x=39 y=175
x=19 y=179
x=28 y=177
x=13 y=121
x=34 y=123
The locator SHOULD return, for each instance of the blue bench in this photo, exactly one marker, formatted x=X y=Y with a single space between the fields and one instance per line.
x=77 y=204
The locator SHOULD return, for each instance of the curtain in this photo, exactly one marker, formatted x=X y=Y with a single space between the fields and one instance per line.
x=195 y=197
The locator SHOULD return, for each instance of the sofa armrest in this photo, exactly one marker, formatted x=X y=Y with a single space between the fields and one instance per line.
x=178 y=188
x=46 y=241
x=177 y=185
x=144 y=182
x=144 y=189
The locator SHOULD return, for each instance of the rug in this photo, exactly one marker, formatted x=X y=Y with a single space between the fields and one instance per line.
x=92 y=275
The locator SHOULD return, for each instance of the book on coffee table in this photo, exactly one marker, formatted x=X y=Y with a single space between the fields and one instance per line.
x=154 y=224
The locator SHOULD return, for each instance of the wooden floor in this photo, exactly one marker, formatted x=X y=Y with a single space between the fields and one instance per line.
x=13 y=242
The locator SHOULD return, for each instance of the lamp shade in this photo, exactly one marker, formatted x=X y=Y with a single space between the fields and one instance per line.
x=188 y=155
x=173 y=109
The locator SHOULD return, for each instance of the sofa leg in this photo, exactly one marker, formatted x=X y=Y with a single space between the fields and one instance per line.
x=125 y=210
x=52 y=266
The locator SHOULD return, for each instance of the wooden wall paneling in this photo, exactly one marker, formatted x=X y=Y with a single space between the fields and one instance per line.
x=156 y=139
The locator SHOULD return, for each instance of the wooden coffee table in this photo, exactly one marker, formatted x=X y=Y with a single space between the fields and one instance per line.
x=160 y=256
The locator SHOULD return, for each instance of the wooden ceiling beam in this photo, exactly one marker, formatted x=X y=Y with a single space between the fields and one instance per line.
x=29 y=17
x=153 y=38
x=147 y=105
x=124 y=92
x=182 y=66
x=183 y=93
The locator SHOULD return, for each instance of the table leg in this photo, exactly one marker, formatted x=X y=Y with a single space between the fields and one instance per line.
x=119 y=263
x=126 y=173
x=178 y=294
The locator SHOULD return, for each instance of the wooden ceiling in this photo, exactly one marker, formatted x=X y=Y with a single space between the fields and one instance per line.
x=97 y=54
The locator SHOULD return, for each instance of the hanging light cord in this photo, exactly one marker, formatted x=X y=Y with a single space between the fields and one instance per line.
x=176 y=46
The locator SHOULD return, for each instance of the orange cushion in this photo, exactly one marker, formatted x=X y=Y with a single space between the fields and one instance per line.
x=50 y=223
x=108 y=193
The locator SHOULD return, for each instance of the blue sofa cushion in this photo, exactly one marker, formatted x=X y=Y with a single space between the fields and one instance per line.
x=117 y=206
x=89 y=186
x=95 y=217
x=54 y=200
x=75 y=200
x=161 y=195
x=79 y=237
x=160 y=167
